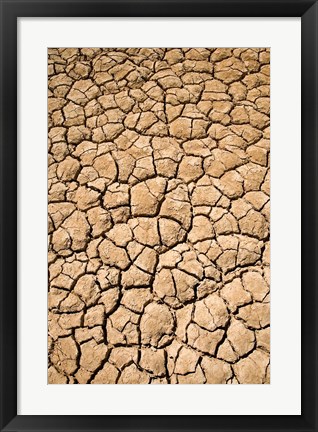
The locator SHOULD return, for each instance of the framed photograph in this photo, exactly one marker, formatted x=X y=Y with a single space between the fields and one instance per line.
x=158 y=215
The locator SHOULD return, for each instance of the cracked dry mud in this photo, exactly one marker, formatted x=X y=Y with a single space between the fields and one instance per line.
x=158 y=216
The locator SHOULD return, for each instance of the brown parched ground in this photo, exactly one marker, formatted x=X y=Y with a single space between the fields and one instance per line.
x=158 y=190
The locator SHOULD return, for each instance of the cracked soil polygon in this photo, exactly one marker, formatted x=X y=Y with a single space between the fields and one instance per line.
x=158 y=215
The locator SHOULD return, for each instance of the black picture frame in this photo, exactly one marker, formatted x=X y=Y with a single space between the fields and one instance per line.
x=10 y=11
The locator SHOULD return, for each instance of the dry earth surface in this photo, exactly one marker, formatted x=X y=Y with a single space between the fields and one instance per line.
x=158 y=216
